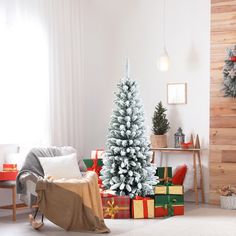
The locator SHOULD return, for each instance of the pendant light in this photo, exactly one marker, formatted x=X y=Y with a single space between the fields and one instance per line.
x=164 y=60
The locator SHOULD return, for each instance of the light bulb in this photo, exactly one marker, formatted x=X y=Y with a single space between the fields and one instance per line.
x=164 y=61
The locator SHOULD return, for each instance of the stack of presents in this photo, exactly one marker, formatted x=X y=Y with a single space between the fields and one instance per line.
x=168 y=199
x=8 y=172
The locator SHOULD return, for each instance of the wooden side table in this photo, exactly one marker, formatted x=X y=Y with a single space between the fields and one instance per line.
x=11 y=184
x=196 y=154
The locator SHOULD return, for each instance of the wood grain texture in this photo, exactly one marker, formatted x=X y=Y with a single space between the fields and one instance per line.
x=223 y=136
x=222 y=109
x=215 y=156
x=229 y=156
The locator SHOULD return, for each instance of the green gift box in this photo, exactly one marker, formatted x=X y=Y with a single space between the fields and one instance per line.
x=89 y=162
x=162 y=199
x=164 y=174
x=169 y=200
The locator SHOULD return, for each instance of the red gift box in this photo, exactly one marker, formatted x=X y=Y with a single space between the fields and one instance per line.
x=116 y=207
x=8 y=175
x=142 y=207
x=161 y=211
x=9 y=167
x=96 y=168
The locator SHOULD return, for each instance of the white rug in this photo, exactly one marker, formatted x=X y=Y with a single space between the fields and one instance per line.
x=197 y=221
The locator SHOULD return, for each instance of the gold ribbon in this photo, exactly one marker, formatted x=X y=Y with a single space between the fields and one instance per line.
x=10 y=169
x=112 y=209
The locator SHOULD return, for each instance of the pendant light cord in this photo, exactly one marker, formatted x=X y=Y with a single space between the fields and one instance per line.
x=164 y=24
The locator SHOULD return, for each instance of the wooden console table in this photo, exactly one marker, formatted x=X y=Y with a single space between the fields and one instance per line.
x=196 y=154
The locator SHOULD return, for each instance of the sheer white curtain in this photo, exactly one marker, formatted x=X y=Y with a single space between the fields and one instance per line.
x=40 y=72
x=63 y=23
x=23 y=75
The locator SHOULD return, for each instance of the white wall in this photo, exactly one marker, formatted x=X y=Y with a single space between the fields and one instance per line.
x=114 y=29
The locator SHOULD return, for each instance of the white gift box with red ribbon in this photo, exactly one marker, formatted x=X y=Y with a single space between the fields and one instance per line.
x=97 y=154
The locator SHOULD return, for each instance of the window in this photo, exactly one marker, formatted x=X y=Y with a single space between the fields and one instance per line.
x=24 y=80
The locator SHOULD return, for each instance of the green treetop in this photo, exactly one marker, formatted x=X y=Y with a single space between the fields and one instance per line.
x=160 y=123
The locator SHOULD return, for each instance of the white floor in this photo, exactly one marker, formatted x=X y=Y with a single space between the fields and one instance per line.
x=198 y=221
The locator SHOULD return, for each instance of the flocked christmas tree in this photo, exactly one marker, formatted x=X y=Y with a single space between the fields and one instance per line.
x=127 y=168
x=229 y=73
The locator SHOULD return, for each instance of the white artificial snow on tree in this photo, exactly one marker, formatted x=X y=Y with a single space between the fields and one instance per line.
x=127 y=168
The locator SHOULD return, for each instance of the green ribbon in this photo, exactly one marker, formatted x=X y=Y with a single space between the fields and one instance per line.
x=167 y=188
x=169 y=206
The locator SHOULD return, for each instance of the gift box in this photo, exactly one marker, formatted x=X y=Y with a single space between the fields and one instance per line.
x=142 y=208
x=96 y=166
x=169 y=210
x=169 y=200
x=164 y=174
x=171 y=189
x=116 y=207
x=97 y=154
x=161 y=200
x=90 y=162
x=8 y=175
x=9 y=167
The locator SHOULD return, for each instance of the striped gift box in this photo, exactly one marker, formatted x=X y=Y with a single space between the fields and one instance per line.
x=116 y=207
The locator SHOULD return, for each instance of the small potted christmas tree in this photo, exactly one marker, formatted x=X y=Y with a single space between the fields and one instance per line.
x=160 y=126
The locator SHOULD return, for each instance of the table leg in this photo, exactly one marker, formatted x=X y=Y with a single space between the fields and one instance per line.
x=14 y=203
x=161 y=159
x=195 y=178
x=201 y=177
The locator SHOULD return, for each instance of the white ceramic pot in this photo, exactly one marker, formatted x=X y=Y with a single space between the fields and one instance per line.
x=228 y=202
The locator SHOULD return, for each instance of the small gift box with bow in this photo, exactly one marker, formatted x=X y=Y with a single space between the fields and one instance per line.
x=169 y=200
x=142 y=207
x=116 y=207
x=9 y=172
x=95 y=164
x=164 y=174
x=97 y=154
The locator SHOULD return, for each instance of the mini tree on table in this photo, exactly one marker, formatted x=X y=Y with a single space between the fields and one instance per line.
x=160 y=123
x=127 y=169
x=160 y=126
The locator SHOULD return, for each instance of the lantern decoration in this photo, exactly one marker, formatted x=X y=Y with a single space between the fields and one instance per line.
x=179 y=138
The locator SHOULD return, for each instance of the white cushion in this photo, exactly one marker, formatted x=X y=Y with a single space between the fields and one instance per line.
x=61 y=166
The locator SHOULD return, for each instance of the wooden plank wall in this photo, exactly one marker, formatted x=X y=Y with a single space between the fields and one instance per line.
x=222 y=110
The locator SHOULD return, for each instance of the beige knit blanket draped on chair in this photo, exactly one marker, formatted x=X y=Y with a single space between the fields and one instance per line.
x=73 y=204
